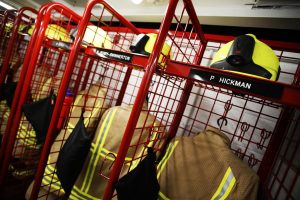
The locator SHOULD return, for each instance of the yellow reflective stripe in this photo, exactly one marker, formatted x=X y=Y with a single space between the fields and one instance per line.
x=23 y=133
x=162 y=164
x=53 y=185
x=225 y=186
x=6 y=114
x=166 y=157
x=50 y=177
x=73 y=197
x=137 y=161
x=70 y=127
x=154 y=133
x=161 y=196
x=105 y=153
x=229 y=189
x=76 y=193
x=27 y=134
x=26 y=140
x=100 y=142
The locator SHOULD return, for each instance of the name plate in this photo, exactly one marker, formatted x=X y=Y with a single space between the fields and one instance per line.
x=121 y=56
x=62 y=45
x=253 y=86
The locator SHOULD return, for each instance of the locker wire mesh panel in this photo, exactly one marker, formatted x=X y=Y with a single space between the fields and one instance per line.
x=13 y=60
x=42 y=72
x=184 y=105
x=254 y=122
x=96 y=77
x=162 y=96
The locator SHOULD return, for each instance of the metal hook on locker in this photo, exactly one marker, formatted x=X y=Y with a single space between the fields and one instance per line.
x=264 y=135
x=244 y=128
x=252 y=161
x=223 y=119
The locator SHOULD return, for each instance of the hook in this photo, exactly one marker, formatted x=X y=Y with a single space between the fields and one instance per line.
x=252 y=161
x=227 y=107
x=223 y=118
x=239 y=153
x=264 y=135
x=244 y=128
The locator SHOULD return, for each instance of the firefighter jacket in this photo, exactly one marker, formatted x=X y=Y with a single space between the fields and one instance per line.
x=204 y=167
x=92 y=100
x=92 y=181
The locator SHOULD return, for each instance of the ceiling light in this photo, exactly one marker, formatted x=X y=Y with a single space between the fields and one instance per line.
x=137 y=1
x=4 y=5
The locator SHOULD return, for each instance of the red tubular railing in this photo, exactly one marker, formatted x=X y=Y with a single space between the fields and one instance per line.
x=141 y=96
x=6 y=136
x=5 y=66
x=12 y=40
x=189 y=85
x=23 y=89
x=45 y=18
x=64 y=82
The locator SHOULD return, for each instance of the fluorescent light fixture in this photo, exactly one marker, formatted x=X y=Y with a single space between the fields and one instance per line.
x=4 y=5
x=137 y=1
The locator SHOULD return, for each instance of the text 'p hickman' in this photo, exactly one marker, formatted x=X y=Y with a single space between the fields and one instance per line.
x=227 y=81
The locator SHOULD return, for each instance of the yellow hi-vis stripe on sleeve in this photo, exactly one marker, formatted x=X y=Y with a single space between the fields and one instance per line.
x=77 y=194
x=153 y=134
x=163 y=163
x=50 y=178
x=166 y=157
x=225 y=186
x=95 y=157
x=161 y=196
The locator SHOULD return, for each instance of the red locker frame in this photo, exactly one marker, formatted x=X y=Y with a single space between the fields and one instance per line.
x=189 y=43
x=17 y=43
x=15 y=52
x=122 y=33
x=27 y=48
x=41 y=60
x=172 y=93
x=79 y=70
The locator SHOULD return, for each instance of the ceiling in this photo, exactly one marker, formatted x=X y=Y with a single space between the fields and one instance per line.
x=278 y=14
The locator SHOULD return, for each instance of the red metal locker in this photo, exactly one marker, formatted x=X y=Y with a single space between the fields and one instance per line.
x=14 y=56
x=184 y=97
x=43 y=61
x=67 y=66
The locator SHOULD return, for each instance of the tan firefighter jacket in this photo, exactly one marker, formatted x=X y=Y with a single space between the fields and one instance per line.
x=204 y=167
